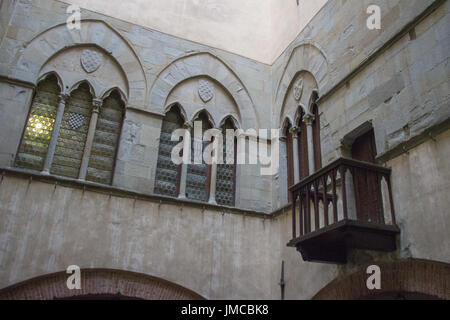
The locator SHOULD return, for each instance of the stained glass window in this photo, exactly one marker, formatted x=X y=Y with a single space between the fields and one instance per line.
x=73 y=133
x=198 y=175
x=168 y=173
x=39 y=127
x=106 y=140
x=226 y=172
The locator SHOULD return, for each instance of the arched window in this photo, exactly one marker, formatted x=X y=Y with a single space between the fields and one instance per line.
x=198 y=175
x=316 y=135
x=106 y=140
x=39 y=127
x=303 y=158
x=289 y=158
x=167 y=181
x=226 y=172
x=72 y=136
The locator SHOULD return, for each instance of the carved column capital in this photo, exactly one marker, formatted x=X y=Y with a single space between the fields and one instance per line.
x=309 y=119
x=97 y=104
x=294 y=131
x=63 y=98
x=188 y=125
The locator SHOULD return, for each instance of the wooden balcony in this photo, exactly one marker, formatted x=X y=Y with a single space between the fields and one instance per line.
x=346 y=205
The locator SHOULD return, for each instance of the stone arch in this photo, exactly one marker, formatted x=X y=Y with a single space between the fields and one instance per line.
x=107 y=92
x=292 y=107
x=57 y=76
x=208 y=65
x=46 y=44
x=304 y=57
x=68 y=63
x=301 y=111
x=313 y=98
x=232 y=118
x=424 y=277
x=79 y=83
x=208 y=115
x=181 y=109
x=95 y=282
x=287 y=121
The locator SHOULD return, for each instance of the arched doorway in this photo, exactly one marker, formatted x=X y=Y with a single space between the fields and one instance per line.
x=99 y=284
x=409 y=279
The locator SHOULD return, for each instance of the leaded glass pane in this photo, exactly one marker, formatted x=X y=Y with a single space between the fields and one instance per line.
x=39 y=127
x=225 y=186
x=167 y=173
x=73 y=133
x=106 y=139
x=197 y=186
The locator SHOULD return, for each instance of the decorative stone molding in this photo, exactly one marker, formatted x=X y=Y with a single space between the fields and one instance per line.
x=295 y=131
x=91 y=60
x=305 y=57
x=204 y=64
x=97 y=104
x=308 y=119
x=205 y=90
x=36 y=54
x=298 y=89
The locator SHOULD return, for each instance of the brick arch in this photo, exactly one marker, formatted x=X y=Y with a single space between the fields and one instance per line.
x=408 y=277
x=99 y=282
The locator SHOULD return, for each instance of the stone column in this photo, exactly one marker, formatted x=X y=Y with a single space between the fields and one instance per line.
x=309 y=126
x=96 y=103
x=282 y=177
x=55 y=134
x=186 y=158
x=294 y=132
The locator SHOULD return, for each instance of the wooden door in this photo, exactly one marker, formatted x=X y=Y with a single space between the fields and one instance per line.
x=367 y=187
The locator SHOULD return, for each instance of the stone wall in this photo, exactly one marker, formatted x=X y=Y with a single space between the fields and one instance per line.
x=396 y=81
x=149 y=67
x=46 y=227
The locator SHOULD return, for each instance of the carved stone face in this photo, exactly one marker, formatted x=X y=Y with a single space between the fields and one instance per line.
x=298 y=89
x=91 y=60
x=205 y=90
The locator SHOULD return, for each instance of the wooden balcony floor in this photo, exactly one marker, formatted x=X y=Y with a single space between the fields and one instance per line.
x=331 y=244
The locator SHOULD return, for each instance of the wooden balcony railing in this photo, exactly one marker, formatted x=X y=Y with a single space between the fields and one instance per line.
x=343 y=206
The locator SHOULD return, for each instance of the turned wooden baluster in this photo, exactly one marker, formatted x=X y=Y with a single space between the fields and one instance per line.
x=294 y=203
x=316 y=205
x=380 y=195
x=325 y=199
x=308 y=210
x=300 y=208
x=391 y=200
x=335 y=208
x=343 y=171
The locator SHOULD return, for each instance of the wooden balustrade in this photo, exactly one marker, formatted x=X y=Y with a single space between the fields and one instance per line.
x=344 y=190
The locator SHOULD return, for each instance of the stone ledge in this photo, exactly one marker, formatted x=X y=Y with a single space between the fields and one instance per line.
x=404 y=147
x=124 y=193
